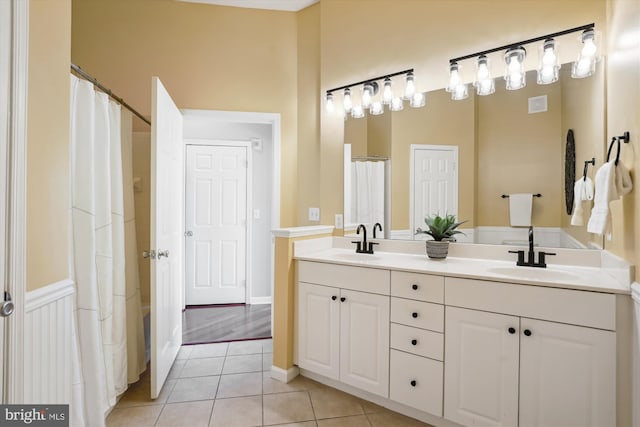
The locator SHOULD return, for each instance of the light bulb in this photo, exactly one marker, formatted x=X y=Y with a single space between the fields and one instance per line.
x=397 y=104
x=357 y=112
x=484 y=84
x=329 y=103
x=410 y=88
x=376 y=108
x=367 y=93
x=346 y=102
x=514 y=74
x=387 y=94
x=589 y=48
x=586 y=63
x=418 y=100
x=460 y=93
x=548 y=64
x=454 y=77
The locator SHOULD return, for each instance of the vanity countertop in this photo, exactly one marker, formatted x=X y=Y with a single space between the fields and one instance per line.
x=556 y=276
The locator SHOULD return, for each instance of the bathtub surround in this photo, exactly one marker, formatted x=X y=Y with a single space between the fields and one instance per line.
x=108 y=316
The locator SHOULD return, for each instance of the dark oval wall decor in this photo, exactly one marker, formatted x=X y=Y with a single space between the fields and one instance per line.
x=569 y=171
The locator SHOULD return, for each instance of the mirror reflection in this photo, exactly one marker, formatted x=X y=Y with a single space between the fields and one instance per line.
x=461 y=157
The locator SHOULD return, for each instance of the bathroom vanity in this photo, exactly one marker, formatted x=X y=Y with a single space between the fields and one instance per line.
x=466 y=340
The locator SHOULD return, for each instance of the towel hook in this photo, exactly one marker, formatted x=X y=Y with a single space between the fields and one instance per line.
x=586 y=166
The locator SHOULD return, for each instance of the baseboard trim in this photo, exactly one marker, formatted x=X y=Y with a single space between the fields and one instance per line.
x=283 y=375
x=261 y=300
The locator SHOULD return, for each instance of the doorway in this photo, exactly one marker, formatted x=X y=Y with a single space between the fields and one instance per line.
x=433 y=183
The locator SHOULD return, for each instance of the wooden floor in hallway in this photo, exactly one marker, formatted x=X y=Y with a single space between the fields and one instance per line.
x=223 y=323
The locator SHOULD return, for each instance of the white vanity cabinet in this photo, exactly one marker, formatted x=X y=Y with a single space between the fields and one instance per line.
x=505 y=369
x=343 y=330
x=417 y=341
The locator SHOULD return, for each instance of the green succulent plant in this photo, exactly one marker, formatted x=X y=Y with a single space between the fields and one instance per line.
x=441 y=228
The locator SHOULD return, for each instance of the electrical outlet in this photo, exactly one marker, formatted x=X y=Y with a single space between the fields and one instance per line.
x=314 y=214
x=339 y=222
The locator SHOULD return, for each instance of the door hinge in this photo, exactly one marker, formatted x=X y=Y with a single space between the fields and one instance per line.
x=149 y=254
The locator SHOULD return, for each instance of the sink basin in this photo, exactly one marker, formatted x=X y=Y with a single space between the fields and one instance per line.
x=533 y=273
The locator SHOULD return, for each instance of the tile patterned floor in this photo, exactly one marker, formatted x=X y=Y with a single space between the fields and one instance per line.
x=228 y=385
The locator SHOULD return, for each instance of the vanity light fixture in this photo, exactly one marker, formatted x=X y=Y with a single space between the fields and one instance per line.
x=514 y=56
x=549 y=64
x=586 y=63
x=515 y=74
x=456 y=86
x=484 y=83
x=373 y=104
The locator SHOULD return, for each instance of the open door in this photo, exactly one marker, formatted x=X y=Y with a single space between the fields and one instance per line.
x=167 y=200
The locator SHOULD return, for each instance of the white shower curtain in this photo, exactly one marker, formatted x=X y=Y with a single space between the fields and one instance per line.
x=108 y=314
x=367 y=193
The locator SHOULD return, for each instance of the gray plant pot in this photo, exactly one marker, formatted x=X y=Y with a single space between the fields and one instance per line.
x=437 y=249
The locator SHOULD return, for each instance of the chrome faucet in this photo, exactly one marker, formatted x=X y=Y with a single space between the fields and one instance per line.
x=376 y=226
x=361 y=247
x=531 y=256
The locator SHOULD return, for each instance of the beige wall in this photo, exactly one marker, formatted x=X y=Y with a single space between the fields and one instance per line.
x=208 y=57
x=48 y=142
x=519 y=152
x=623 y=114
x=442 y=122
x=583 y=107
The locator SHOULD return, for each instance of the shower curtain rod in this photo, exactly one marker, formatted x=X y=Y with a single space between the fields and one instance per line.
x=97 y=84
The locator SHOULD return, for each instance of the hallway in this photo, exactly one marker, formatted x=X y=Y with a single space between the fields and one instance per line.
x=228 y=385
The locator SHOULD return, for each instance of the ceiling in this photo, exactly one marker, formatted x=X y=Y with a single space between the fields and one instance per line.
x=288 y=5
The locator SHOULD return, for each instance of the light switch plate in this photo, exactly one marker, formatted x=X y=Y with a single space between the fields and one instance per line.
x=314 y=214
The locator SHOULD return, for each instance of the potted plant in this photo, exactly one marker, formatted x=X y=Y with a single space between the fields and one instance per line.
x=442 y=229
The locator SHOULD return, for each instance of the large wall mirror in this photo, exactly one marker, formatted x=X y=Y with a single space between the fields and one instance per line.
x=477 y=150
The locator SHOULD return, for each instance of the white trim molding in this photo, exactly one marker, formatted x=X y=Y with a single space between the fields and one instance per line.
x=284 y=375
x=312 y=230
x=48 y=294
x=261 y=300
x=17 y=206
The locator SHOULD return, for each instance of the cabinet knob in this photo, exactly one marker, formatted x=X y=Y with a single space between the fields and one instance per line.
x=414 y=342
x=343 y=299
x=512 y=330
x=413 y=383
x=414 y=287
x=414 y=315
x=527 y=332
x=333 y=297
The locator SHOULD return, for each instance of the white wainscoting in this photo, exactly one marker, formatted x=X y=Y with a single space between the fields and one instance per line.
x=47 y=344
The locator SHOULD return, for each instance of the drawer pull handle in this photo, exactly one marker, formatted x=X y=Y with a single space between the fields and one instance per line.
x=413 y=383
x=527 y=332
x=414 y=315
x=343 y=299
x=333 y=297
x=414 y=287
x=414 y=342
x=512 y=330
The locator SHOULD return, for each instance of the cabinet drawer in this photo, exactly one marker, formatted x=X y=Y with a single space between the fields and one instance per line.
x=416 y=381
x=419 y=314
x=593 y=309
x=427 y=343
x=343 y=276
x=424 y=287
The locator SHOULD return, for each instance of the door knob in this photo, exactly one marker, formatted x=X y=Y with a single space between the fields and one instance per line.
x=149 y=254
x=7 y=306
x=163 y=254
x=188 y=233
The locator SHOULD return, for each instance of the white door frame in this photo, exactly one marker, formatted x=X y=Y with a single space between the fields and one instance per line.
x=414 y=148
x=272 y=119
x=15 y=273
x=248 y=201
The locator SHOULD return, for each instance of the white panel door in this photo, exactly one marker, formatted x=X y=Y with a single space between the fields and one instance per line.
x=567 y=375
x=364 y=341
x=481 y=368
x=167 y=198
x=319 y=329
x=216 y=224
x=435 y=184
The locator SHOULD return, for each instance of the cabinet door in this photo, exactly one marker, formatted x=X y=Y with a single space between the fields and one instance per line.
x=481 y=368
x=567 y=375
x=318 y=329
x=364 y=341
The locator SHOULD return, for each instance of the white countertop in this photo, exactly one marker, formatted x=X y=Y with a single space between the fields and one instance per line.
x=557 y=276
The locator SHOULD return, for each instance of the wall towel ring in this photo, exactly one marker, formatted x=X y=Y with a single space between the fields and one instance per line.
x=613 y=140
